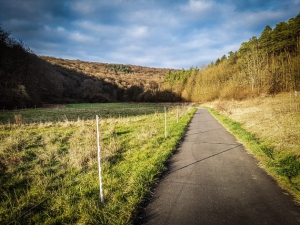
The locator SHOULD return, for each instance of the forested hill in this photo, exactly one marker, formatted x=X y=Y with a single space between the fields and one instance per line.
x=267 y=65
x=130 y=82
x=27 y=80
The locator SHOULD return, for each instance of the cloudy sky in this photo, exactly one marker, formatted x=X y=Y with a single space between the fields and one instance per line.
x=156 y=33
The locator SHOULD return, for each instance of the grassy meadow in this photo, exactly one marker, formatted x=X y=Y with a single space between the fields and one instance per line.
x=73 y=112
x=270 y=129
x=48 y=161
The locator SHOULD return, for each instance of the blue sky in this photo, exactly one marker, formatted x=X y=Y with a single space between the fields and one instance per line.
x=155 y=33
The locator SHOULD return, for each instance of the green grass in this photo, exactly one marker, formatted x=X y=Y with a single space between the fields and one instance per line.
x=282 y=165
x=84 y=111
x=113 y=105
x=49 y=173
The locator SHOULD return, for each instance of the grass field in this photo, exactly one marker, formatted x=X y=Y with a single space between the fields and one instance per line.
x=48 y=161
x=270 y=129
x=73 y=112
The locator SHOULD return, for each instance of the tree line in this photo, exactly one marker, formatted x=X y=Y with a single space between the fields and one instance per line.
x=268 y=64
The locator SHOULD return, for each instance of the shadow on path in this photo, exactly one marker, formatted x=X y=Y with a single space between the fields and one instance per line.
x=204 y=158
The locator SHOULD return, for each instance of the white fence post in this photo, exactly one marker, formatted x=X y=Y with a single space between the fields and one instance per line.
x=177 y=114
x=165 y=121
x=99 y=160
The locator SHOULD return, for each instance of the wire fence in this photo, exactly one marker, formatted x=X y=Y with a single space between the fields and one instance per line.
x=174 y=112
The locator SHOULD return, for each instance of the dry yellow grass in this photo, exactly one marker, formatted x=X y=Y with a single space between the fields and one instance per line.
x=275 y=120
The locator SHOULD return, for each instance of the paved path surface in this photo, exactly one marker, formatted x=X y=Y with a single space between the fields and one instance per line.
x=212 y=180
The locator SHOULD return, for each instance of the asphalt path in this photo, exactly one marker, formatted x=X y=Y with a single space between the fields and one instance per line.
x=213 y=180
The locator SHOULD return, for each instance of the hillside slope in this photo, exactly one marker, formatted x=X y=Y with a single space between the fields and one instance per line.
x=27 y=80
x=128 y=82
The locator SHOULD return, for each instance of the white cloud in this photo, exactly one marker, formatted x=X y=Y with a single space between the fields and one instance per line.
x=98 y=28
x=252 y=19
x=83 y=7
x=137 y=32
x=61 y=30
x=153 y=17
x=199 y=40
x=198 y=6
x=79 y=37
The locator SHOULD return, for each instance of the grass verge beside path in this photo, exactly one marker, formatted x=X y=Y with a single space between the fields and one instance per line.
x=283 y=166
x=49 y=172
